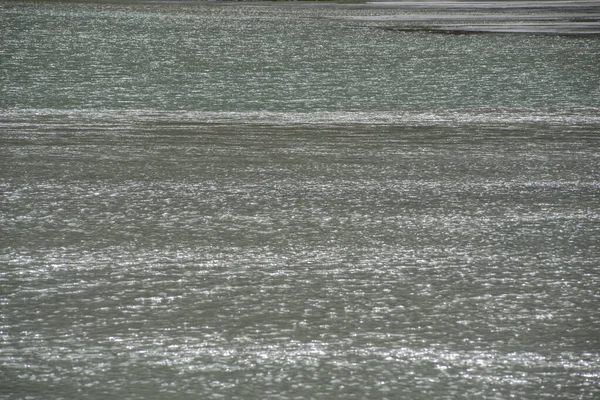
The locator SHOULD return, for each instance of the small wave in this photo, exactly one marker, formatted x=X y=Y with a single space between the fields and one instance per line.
x=119 y=118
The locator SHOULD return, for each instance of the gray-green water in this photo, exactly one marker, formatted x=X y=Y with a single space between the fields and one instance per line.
x=281 y=202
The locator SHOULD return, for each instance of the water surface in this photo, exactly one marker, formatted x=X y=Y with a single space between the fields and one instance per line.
x=278 y=202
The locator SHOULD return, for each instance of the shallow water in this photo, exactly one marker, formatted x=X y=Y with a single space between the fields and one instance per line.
x=276 y=202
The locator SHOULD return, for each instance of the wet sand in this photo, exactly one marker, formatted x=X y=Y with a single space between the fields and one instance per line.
x=522 y=17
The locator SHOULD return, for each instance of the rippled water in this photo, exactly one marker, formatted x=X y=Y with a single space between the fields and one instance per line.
x=279 y=202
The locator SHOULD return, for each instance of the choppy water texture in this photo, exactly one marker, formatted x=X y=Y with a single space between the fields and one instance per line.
x=295 y=202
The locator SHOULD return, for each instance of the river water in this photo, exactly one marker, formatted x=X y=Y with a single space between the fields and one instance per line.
x=274 y=201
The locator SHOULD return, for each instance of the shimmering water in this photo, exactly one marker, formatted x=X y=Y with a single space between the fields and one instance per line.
x=290 y=202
